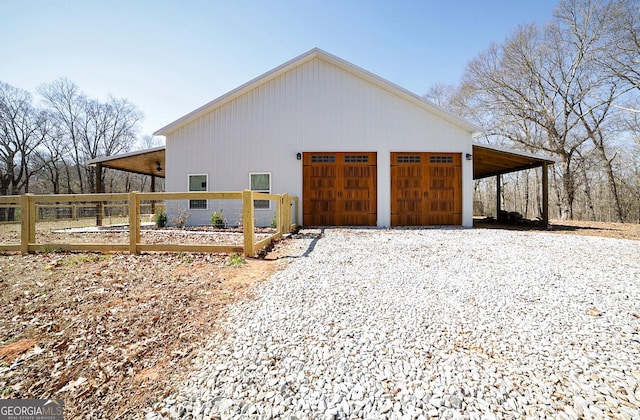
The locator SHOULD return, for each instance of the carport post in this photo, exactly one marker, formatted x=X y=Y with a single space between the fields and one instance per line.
x=153 y=189
x=545 y=194
x=498 y=193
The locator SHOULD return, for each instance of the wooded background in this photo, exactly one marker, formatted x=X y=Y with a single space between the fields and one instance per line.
x=568 y=89
x=44 y=146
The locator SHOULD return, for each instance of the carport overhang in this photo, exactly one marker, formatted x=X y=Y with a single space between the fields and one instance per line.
x=489 y=160
x=146 y=162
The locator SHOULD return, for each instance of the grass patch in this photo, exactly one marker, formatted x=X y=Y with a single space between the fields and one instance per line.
x=77 y=260
x=49 y=250
x=235 y=260
x=10 y=340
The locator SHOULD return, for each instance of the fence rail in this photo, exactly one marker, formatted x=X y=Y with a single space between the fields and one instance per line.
x=27 y=208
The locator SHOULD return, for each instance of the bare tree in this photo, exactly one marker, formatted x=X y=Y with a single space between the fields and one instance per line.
x=526 y=81
x=150 y=141
x=22 y=130
x=623 y=61
x=551 y=82
x=92 y=128
x=107 y=129
x=66 y=104
x=594 y=27
x=54 y=159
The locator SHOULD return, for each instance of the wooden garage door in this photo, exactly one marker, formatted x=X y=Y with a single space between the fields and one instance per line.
x=339 y=189
x=426 y=189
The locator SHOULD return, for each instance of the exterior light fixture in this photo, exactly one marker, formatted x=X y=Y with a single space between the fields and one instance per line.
x=469 y=156
x=299 y=156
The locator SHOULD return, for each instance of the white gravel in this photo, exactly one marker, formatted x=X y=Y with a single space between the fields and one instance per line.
x=449 y=323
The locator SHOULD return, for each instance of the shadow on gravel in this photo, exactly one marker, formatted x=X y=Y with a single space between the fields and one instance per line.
x=314 y=242
x=315 y=236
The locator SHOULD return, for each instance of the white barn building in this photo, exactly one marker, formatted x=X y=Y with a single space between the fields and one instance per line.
x=357 y=149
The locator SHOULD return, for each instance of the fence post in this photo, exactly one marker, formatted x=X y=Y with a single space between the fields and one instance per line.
x=279 y=207
x=287 y=212
x=134 y=223
x=33 y=217
x=248 y=223
x=25 y=231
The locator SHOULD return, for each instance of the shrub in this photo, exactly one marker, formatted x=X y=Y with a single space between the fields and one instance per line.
x=217 y=219
x=181 y=217
x=160 y=219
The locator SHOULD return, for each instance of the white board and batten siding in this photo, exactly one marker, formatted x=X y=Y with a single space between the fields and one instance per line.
x=315 y=103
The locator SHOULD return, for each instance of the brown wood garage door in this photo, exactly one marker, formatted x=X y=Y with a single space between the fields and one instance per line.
x=426 y=189
x=339 y=189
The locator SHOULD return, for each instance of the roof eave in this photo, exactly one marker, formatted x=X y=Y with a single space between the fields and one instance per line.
x=548 y=159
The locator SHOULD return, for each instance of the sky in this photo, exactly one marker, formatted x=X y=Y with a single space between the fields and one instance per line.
x=170 y=57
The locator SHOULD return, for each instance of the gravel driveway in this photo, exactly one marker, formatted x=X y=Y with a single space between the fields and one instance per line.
x=450 y=323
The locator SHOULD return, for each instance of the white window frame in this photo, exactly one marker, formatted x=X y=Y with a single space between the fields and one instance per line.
x=262 y=191
x=206 y=202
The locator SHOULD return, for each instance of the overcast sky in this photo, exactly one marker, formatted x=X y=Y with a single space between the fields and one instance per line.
x=170 y=57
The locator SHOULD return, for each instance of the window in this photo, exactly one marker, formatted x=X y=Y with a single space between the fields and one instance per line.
x=441 y=159
x=408 y=159
x=356 y=159
x=323 y=158
x=261 y=182
x=198 y=183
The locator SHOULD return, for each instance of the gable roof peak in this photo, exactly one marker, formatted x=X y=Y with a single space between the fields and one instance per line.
x=316 y=52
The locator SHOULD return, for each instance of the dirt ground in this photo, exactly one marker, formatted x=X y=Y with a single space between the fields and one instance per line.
x=111 y=334
x=574 y=227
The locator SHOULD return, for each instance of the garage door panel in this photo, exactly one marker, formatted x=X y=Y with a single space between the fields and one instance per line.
x=360 y=206
x=347 y=182
x=426 y=189
x=323 y=205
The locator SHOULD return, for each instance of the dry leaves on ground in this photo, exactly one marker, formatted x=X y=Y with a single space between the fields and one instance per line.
x=109 y=333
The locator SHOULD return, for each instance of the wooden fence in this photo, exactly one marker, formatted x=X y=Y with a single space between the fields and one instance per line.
x=27 y=206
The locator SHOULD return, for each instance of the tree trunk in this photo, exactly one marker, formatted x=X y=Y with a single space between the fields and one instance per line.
x=611 y=181
x=556 y=189
x=79 y=170
x=569 y=193
x=69 y=189
x=587 y=191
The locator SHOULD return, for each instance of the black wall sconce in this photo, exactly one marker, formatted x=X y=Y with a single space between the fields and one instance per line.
x=299 y=156
x=469 y=156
